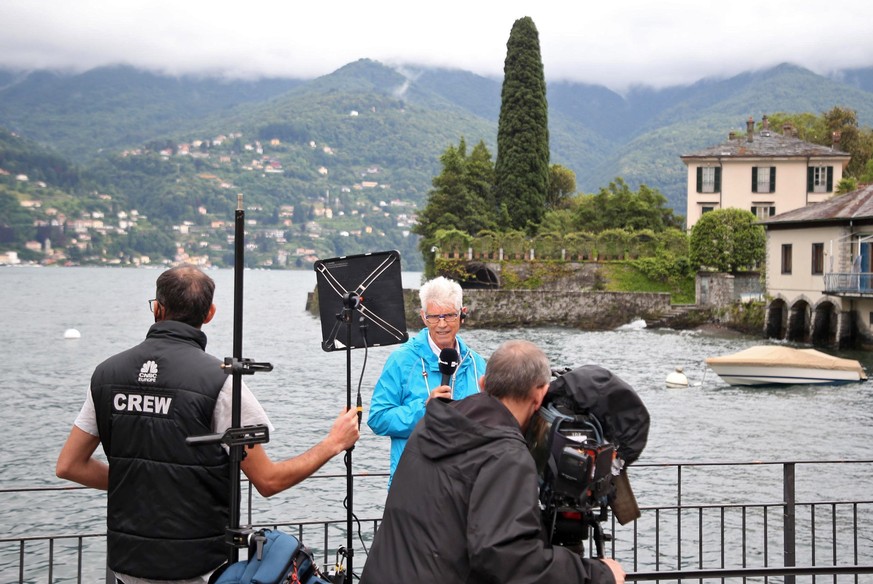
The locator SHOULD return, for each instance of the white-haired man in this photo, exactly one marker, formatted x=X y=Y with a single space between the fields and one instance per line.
x=411 y=376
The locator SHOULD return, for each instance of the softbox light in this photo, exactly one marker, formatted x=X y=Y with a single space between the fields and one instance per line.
x=367 y=284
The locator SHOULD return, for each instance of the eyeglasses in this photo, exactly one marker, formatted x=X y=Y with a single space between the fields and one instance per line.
x=435 y=318
x=152 y=303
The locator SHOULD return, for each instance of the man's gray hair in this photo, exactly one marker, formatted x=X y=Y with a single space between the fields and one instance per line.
x=515 y=369
x=441 y=291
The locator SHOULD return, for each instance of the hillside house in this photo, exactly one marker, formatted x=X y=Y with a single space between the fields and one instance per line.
x=765 y=172
x=820 y=272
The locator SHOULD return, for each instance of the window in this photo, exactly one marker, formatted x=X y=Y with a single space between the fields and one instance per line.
x=763 y=212
x=763 y=179
x=817 y=258
x=706 y=210
x=708 y=179
x=786 y=258
x=820 y=179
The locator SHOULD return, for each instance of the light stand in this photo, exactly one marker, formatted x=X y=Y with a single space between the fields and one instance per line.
x=370 y=285
x=237 y=438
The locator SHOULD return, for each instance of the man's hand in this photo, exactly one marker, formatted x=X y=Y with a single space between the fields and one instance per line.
x=344 y=432
x=617 y=571
x=443 y=391
x=270 y=477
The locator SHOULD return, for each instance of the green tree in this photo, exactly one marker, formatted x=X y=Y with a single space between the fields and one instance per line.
x=727 y=240
x=867 y=174
x=461 y=198
x=838 y=124
x=522 y=167
x=618 y=207
x=562 y=187
x=847 y=184
x=561 y=221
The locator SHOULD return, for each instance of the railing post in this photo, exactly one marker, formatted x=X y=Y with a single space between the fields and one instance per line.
x=789 y=534
x=679 y=517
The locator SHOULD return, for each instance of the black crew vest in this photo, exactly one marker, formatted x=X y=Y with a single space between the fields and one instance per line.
x=168 y=502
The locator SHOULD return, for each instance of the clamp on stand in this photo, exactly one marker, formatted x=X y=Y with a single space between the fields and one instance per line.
x=233 y=365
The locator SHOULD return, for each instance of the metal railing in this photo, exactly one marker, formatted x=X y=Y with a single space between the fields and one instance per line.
x=787 y=535
x=855 y=282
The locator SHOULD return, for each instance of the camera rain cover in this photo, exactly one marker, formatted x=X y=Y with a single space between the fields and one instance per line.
x=591 y=389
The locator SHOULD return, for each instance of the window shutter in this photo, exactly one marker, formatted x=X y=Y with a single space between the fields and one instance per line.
x=810 y=177
x=754 y=179
x=718 y=179
x=772 y=179
x=830 y=179
x=699 y=179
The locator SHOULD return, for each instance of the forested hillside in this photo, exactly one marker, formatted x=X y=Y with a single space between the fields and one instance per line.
x=334 y=165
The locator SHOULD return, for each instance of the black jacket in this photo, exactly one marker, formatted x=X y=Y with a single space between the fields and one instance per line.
x=168 y=502
x=463 y=506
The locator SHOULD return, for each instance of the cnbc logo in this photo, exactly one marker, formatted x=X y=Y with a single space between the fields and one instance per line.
x=148 y=373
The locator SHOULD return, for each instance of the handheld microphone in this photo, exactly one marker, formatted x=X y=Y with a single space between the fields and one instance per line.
x=449 y=359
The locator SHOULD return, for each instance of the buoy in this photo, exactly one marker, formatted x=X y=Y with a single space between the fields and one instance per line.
x=677 y=378
x=72 y=334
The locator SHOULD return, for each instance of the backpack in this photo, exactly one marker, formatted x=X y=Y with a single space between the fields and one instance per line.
x=275 y=557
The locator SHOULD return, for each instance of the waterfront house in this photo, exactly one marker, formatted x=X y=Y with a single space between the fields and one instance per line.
x=820 y=271
x=765 y=172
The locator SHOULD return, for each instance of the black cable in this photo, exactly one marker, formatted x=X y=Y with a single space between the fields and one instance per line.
x=359 y=403
x=360 y=529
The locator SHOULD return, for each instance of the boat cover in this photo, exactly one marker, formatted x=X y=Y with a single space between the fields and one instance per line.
x=591 y=389
x=779 y=356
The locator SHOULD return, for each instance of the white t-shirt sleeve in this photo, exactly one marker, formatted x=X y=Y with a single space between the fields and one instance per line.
x=87 y=418
x=251 y=411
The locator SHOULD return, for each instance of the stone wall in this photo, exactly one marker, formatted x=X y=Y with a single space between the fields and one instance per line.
x=511 y=308
x=581 y=310
x=719 y=289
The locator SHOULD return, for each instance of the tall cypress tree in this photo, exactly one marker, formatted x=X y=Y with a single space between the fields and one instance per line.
x=522 y=167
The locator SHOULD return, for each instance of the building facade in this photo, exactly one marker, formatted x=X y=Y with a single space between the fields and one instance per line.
x=819 y=272
x=765 y=172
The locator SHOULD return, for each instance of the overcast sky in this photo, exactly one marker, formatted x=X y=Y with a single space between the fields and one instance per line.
x=616 y=43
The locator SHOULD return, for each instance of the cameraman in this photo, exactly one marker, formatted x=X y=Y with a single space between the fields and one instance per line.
x=463 y=505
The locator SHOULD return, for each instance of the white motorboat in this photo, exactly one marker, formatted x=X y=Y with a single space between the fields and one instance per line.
x=778 y=365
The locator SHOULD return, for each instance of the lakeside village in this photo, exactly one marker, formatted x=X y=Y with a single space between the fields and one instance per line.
x=818 y=278
x=287 y=237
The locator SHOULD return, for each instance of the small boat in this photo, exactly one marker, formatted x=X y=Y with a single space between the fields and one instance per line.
x=778 y=365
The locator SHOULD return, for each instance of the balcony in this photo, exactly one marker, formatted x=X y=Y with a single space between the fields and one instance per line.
x=849 y=285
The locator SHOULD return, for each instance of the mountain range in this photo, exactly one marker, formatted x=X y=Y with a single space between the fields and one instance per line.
x=366 y=115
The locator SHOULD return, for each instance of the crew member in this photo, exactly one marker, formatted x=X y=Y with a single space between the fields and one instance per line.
x=168 y=502
x=464 y=503
x=411 y=375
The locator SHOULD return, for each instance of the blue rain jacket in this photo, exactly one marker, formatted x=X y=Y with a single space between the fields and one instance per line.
x=411 y=372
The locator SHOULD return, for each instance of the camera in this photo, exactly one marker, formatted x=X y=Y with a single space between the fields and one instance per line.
x=590 y=427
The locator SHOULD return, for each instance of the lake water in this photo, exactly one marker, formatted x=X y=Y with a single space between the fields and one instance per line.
x=46 y=377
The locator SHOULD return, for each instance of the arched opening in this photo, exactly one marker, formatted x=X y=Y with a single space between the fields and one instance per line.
x=776 y=321
x=481 y=276
x=799 y=322
x=824 y=325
